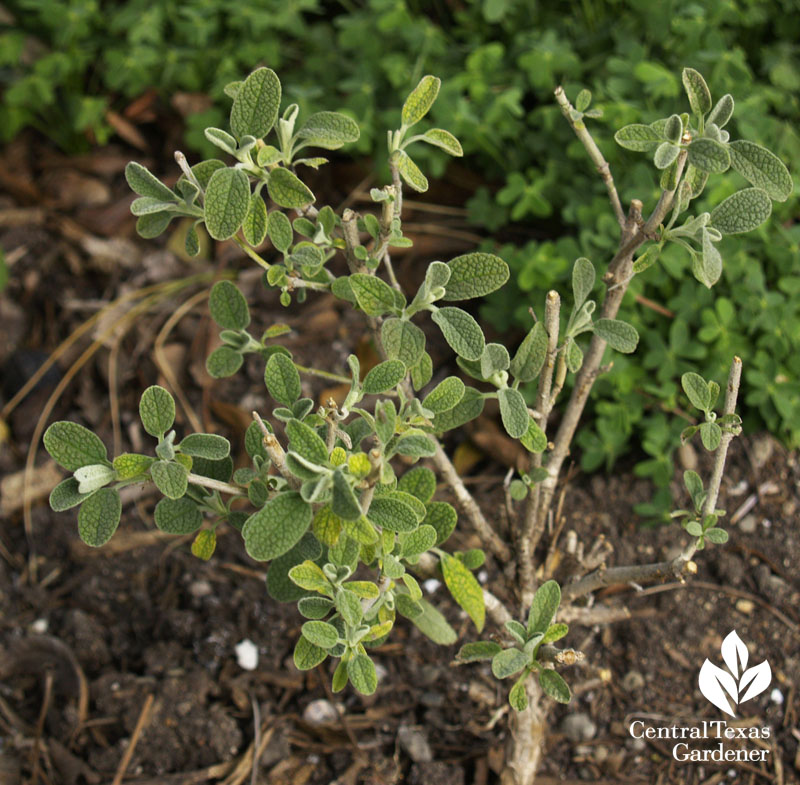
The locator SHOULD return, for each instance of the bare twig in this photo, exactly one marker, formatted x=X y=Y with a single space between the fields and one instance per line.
x=594 y=153
x=671 y=568
x=141 y=723
x=470 y=507
x=276 y=453
x=351 y=240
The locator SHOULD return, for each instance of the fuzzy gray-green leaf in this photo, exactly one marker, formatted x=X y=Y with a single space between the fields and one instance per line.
x=304 y=440
x=277 y=526
x=287 y=190
x=475 y=275
x=761 y=168
x=420 y=100
x=544 y=606
x=742 y=212
x=170 y=478
x=709 y=267
x=468 y=408
x=228 y=307
x=443 y=139
x=279 y=229
x=99 y=516
x=307 y=655
x=156 y=410
x=530 y=356
x=392 y=515
x=554 y=685
x=223 y=361
x=409 y=171
x=638 y=137
x=461 y=332
x=617 y=334
x=71 y=445
x=722 y=112
x=696 y=390
x=329 y=130
x=697 y=91
x=255 y=108
x=321 y=634
x=374 y=295
x=420 y=482
x=478 y=651
x=513 y=412
x=465 y=589
x=66 y=495
x=254 y=227
x=384 y=376
x=432 y=623
x=144 y=183
x=403 y=341
x=534 y=439
x=508 y=662
x=709 y=155
x=665 y=154
x=178 y=516
x=445 y=395
x=362 y=674
x=227 y=202
x=282 y=379
x=206 y=445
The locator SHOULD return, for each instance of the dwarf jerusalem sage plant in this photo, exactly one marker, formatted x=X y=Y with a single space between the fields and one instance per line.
x=346 y=537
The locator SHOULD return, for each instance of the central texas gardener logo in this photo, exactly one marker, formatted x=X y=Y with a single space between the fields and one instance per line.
x=728 y=689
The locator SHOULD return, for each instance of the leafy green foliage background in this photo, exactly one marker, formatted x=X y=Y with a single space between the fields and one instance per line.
x=63 y=63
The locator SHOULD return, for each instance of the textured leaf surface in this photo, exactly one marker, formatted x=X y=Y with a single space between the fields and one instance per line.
x=280 y=586
x=204 y=545
x=554 y=685
x=154 y=224
x=416 y=445
x=419 y=482
x=287 y=190
x=178 y=516
x=478 y=651
x=445 y=395
x=475 y=275
x=361 y=671
x=279 y=229
x=465 y=589
x=518 y=697
x=66 y=495
x=227 y=201
x=384 y=376
x=374 y=295
x=617 y=334
x=461 y=331
x=71 y=445
x=638 y=137
x=170 y=478
x=709 y=155
x=468 y=408
x=665 y=154
x=710 y=267
x=99 y=516
x=409 y=171
x=254 y=227
x=392 y=515
x=345 y=504
x=696 y=390
x=329 y=130
x=534 y=439
x=495 y=358
x=307 y=442
x=403 y=341
x=156 y=410
x=129 y=465
x=93 y=476
x=742 y=212
x=255 y=108
x=321 y=634
x=282 y=379
x=697 y=91
x=420 y=100
x=433 y=624
x=761 y=168
x=722 y=112
x=224 y=361
x=144 y=183
x=508 y=663
x=530 y=356
x=310 y=576
x=445 y=140
x=513 y=412
x=583 y=277
x=206 y=445
x=544 y=606
x=277 y=526
x=307 y=655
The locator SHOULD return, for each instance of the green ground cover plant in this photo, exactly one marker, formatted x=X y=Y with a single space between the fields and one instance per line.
x=348 y=528
x=64 y=63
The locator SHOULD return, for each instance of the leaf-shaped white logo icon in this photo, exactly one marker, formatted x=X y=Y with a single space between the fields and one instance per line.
x=723 y=689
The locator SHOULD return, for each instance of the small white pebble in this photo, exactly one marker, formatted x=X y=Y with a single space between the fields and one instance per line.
x=483 y=576
x=247 y=655
x=40 y=626
x=431 y=585
x=776 y=696
x=320 y=712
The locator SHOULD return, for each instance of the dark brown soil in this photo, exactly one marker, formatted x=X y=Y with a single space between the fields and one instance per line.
x=135 y=643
